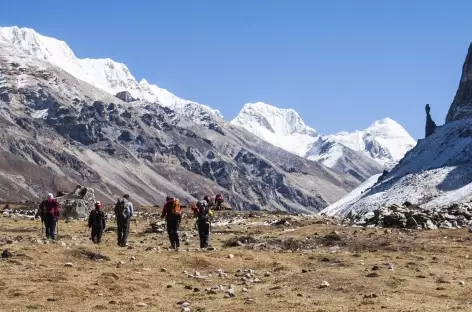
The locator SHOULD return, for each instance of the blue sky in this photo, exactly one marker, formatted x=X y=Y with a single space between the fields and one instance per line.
x=340 y=64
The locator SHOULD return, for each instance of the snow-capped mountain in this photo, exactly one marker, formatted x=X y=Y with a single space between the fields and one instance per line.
x=436 y=173
x=385 y=141
x=105 y=74
x=283 y=128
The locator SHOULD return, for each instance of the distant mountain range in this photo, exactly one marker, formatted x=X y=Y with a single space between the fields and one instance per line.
x=360 y=153
x=68 y=120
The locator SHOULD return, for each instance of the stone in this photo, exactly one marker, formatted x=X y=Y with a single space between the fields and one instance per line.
x=249 y=301
x=374 y=274
x=462 y=283
x=6 y=254
x=125 y=96
x=78 y=204
x=165 y=270
x=430 y=124
x=68 y=264
x=267 y=274
x=185 y=309
x=141 y=305
x=230 y=256
x=324 y=284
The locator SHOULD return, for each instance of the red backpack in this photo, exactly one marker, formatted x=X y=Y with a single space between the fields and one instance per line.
x=219 y=198
x=52 y=207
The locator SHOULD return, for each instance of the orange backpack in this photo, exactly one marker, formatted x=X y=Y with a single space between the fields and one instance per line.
x=176 y=210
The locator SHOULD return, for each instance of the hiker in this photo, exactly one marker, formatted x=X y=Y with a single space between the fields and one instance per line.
x=218 y=202
x=97 y=223
x=124 y=210
x=203 y=223
x=49 y=211
x=208 y=200
x=173 y=214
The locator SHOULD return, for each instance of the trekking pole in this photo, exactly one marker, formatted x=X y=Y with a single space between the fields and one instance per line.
x=57 y=229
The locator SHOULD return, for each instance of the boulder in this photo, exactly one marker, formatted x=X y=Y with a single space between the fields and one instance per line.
x=430 y=124
x=79 y=203
x=125 y=96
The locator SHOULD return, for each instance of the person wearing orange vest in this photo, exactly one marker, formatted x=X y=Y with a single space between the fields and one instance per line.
x=173 y=214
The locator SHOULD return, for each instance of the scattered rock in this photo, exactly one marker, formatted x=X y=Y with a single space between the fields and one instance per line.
x=163 y=270
x=68 y=264
x=373 y=274
x=324 y=284
x=6 y=254
x=142 y=305
x=230 y=256
x=462 y=283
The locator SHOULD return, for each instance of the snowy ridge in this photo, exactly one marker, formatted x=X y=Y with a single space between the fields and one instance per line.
x=385 y=141
x=283 y=128
x=105 y=74
x=354 y=195
x=436 y=173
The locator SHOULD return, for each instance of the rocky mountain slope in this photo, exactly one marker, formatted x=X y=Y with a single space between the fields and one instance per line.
x=59 y=131
x=360 y=154
x=438 y=171
x=105 y=74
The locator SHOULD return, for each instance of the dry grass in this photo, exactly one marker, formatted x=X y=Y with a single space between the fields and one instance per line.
x=428 y=268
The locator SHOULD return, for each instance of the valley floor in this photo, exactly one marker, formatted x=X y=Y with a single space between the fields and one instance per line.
x=431 y=269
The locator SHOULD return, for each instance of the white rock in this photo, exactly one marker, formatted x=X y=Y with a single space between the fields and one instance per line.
x=68 y=264
x=462 y=283
x=324 y=284
x=230 y=256
x=141 y=305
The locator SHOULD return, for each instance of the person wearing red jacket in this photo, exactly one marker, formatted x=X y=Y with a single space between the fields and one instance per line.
x=49 y=211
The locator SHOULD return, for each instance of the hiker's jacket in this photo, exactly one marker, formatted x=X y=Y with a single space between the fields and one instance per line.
x=97 y=219
x=49 y=208
x=166 y=212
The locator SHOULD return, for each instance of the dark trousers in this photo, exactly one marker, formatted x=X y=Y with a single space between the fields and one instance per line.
x=97 y=234
x=50 y=226
x=123 y=230
x=173 y=227
x=204 y=233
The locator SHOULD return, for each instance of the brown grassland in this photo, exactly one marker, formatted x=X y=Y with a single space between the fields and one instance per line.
x=432 y=269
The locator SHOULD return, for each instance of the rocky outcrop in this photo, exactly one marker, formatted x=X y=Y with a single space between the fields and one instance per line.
x=125 y=96
x=430 y=124
x=461 y=107
x=79 y=203
x=414 y=217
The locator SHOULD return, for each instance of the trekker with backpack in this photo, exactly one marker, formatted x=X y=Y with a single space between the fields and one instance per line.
x=173 y=214
x=218 y=202
x=124 y=210
x=97 y=223
x=204 y=215
x=49 y=211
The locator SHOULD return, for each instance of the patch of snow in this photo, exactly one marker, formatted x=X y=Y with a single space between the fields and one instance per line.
x=354 y=195
x=41 y=113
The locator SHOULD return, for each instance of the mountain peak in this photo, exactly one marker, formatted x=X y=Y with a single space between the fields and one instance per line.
x=280 y=121
x=105 y=74
x=461 y=107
